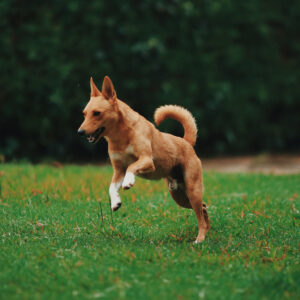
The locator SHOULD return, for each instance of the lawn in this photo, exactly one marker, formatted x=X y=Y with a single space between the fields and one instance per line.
x=59 y=239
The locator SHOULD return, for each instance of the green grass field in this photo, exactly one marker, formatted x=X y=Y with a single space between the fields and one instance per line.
x=56 y=243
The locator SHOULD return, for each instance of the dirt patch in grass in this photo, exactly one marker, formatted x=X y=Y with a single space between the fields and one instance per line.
x=268 y=164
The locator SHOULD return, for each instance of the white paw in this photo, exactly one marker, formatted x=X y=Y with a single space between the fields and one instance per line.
x=199 y=239
x=197 y=242
x=116 y=206
x=128 y=181
x=115 y=200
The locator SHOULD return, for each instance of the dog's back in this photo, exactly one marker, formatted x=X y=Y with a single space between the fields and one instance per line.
x=168 y=151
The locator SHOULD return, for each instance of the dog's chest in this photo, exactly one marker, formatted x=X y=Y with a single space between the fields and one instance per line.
x=126 y=157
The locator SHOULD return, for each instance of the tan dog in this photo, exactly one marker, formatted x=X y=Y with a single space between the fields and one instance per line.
x=136 y=147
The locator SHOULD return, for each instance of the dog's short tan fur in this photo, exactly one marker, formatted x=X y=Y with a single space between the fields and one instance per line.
x=136 y=147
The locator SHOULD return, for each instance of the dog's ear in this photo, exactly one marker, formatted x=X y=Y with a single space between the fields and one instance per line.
x=94 y=90
x=108 y=90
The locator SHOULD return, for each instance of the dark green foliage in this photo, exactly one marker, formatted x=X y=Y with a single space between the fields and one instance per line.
x=234 y=64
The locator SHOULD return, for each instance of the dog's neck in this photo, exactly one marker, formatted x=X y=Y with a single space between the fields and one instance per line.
x=120 y=134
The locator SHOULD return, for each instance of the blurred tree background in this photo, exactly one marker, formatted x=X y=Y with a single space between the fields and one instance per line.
x=234 y=64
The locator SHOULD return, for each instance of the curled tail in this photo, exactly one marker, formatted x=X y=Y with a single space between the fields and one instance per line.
x=181 y=115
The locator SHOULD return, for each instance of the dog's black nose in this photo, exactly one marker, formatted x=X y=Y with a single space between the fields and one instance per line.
x=81 y=132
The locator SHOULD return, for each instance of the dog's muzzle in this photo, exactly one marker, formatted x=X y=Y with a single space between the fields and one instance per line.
x=94 y=137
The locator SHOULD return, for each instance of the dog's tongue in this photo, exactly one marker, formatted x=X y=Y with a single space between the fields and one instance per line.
x=90 y=139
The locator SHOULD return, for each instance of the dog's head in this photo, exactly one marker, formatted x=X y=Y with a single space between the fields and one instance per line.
x=101 y=112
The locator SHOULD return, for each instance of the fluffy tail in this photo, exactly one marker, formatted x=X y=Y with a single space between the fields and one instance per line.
x=181 y=115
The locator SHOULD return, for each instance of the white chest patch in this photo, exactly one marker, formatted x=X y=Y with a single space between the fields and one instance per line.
x=126 y=157
x=129 y=149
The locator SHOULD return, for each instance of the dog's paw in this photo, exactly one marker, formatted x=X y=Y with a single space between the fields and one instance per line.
x=201 y=236
x=199 y=240
x=116 y=206
x=128 y=181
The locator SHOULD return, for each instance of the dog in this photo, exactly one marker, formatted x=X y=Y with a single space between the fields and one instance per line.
x=137 y=148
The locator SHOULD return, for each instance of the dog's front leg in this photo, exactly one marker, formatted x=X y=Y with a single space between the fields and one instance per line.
x=116 y=182
x=115 y=199
x=143 y=165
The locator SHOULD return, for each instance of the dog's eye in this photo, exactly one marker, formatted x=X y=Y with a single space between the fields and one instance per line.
x=96 y=113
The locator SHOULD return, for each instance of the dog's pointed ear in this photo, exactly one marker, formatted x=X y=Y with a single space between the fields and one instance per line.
x=94 y=90
x=108 y=90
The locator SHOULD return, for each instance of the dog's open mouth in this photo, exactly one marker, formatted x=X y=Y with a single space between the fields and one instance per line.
x=93 y=138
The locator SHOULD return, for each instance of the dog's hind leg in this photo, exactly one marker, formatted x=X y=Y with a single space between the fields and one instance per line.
x=193 y=183
x=179 y=195
x=206 y=215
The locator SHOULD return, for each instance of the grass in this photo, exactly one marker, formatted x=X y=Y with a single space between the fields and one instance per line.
x=56 y=244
